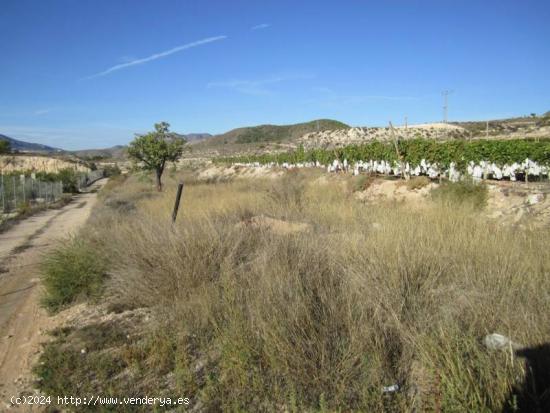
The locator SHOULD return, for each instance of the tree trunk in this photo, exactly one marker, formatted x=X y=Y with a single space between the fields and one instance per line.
x=158 y=176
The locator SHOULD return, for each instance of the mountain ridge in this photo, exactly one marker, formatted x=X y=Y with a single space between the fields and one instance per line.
x=23 y=146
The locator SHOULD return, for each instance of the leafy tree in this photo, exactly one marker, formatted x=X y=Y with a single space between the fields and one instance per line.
x=154 y=149
x=4 y=146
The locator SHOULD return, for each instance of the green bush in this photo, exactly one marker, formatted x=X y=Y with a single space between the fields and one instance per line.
x=72 y=271
x=462 y=192
x=69 y=178
x=4 y=146
x=112 y=170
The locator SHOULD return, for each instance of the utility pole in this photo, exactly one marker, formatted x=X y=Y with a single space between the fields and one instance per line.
x=445 y=94
x=487 y=130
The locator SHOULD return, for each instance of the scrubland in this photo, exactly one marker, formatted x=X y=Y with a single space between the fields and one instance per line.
x=319 y=317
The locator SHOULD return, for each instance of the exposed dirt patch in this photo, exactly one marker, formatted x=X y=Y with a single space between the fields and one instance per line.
x=22 y=320
x=396 y=190
x=235 y=171
x=509 y=203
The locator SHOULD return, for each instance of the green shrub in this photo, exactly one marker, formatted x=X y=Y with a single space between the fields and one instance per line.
x=4 y=146
x=72 y=271
x=112 y=170
x=69 y=178
x=462 y=192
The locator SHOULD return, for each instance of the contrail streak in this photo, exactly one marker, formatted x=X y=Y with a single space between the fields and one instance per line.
x=158 y=55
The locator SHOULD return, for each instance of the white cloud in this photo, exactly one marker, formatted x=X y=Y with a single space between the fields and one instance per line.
x=260 y=26
x=158 y=55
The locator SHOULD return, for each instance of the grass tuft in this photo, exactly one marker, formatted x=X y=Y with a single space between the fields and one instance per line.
x=462 y=193
x=73 y=270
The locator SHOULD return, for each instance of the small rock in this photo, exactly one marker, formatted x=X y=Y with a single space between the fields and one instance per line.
x=498 y=342
x=83 y=351
x=533 y=199
x=390 y=389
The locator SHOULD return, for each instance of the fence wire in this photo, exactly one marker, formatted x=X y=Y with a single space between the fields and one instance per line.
x=90 y=178
x=18 y=192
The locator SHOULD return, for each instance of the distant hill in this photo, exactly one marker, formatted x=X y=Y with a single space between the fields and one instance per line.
x=195 y=137
x=115 y=152
x=119 y=151
x=275 y=133
x=22 y=146
x=518 y=127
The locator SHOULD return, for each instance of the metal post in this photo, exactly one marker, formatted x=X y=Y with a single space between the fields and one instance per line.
x=177 y=203
x=24 y=190
x=3 y=194
x=14 y=194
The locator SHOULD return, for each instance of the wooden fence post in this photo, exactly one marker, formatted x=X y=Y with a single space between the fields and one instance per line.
x=177 y=203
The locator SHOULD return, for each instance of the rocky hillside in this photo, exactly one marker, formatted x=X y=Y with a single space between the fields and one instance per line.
x=15 y=163
x=358 y=135
x=513 y=128
x=531 y=127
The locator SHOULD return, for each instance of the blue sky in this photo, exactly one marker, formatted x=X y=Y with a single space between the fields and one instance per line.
x=89 y=74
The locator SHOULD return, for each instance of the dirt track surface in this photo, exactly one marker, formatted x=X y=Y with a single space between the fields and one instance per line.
x=23 y=322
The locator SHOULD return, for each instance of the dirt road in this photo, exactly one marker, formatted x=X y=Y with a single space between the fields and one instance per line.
x=22 y=321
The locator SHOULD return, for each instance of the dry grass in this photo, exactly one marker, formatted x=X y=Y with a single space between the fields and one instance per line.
x=322 y=320
x=418 y=182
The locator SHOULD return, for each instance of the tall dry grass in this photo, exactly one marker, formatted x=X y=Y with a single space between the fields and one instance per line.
x=323 y=319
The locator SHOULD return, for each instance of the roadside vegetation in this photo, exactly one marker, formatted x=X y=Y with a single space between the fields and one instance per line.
x=5 y=147
x=72 y=271
x=39 y=191
x=249 y=310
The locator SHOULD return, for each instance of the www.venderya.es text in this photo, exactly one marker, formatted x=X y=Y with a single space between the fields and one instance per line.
x=95 y=400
